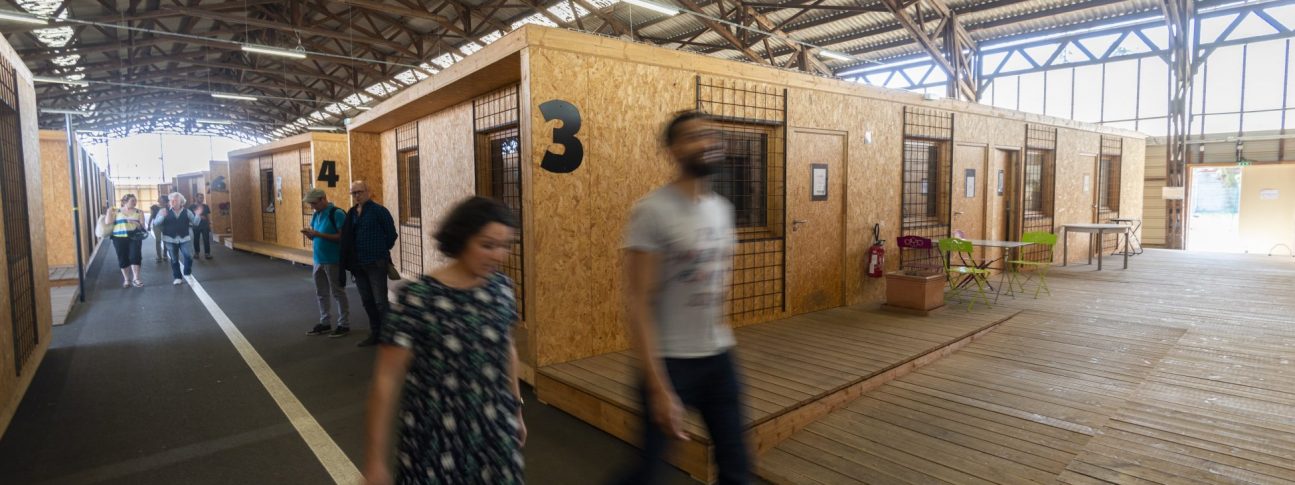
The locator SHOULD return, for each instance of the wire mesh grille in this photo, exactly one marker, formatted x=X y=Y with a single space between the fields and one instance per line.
x=1039 y=190
x=306 y=185
x=269 y=227
x=407 y=136
x=17 y=227
x=409 y=195
x=1108 y=186
x=752 y=126
x=499 y=170
x=926 y=190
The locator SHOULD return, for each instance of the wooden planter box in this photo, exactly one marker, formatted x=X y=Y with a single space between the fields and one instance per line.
x=919 y=293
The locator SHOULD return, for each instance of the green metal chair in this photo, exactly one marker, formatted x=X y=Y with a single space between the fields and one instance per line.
x=1040 y=268
x=956 y=275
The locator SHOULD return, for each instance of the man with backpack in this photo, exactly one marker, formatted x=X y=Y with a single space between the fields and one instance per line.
x=325 y=232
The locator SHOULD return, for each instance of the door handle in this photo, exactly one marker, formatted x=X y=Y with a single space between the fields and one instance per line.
x=795 y=224
x=957 y=213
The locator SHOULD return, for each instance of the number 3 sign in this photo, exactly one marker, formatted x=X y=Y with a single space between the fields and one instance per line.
x=573 y=152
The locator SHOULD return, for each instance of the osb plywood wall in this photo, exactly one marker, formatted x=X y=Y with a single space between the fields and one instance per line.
x=445 y=157
x=574 y=260
x=332 y=148
x=287 y=209
x=1132 y=174
x=56 y=183
x=367 y=164
x=242 y=199
x=12 y=383
x=220 y=217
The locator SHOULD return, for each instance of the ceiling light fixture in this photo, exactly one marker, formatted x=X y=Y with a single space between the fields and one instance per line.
x=324 y=128
x=56 y=111
x=233 y=96
x=214 y=122
x=59 y=80
x=273 y=51
x=655 y=7
x=831 y=54
x=19 y=17
x=364 y=108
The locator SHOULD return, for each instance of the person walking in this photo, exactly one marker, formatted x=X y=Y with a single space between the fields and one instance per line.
x=678 y=255
x=201 y=233
x=367 y=238
x=128 y=234
x=325 y=234
x=447 y=366
x=177 y=223
x=158 y=249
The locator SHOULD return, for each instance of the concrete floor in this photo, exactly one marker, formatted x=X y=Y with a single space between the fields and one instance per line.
x=141 y=386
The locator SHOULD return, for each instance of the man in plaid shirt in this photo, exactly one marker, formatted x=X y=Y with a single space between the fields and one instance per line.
x=367 y=238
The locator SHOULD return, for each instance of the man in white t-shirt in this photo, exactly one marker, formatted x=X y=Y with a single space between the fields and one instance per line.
x=679 y=252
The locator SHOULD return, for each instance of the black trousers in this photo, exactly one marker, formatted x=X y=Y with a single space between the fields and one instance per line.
x=712 y=387
x=129 y=251
x=201 y=241
x=371 y=281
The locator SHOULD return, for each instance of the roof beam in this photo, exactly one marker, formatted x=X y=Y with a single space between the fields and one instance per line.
x=723 y=31
x=268 y=24
x=947 y=43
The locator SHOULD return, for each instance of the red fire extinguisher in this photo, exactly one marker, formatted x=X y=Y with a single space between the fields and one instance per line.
x=876 y=254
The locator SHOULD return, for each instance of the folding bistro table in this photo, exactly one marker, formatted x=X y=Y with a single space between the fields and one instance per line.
x=1091 y=229
x=1008 y=247
x=1135 y=224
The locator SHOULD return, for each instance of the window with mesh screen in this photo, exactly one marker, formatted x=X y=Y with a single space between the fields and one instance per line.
x=927 y=183
x=751 y=122
x=499 y=170
x=269 y=228
x=1039 y=185
x=17 y=227
x=306 y=185
x=409 y=195
x=742 y=177
x=1108 y=186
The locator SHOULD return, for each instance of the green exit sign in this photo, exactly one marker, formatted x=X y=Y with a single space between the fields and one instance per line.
x=1243 y=163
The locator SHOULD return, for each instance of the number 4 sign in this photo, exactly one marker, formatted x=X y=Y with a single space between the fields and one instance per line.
x=328 y=173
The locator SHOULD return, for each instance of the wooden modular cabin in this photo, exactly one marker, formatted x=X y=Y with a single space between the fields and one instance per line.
x=94 y=195
x=266 y=184
x=25 y=312
x=564 y=127
x=218 y=197
x=190 y=184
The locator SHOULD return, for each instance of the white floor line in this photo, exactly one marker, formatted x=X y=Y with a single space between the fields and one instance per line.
x=334 y=460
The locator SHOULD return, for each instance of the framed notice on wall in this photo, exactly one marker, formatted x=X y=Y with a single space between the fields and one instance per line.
x=971 y=183
x=818 y=181
x=1000 y=182
x=278 y=188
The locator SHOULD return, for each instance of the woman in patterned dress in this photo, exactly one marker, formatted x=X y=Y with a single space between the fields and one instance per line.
x=450 y=351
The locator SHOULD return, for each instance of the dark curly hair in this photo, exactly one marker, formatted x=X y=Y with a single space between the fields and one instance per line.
x=672 y=128
x=466 y=220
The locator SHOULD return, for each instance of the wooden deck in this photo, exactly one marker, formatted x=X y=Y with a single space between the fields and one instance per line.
x=1178 y=370
x=62 y=276
x=300 y=256
x=796 y=371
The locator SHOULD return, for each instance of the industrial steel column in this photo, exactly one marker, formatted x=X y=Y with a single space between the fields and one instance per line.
x=1184 y=61
x=76 y=209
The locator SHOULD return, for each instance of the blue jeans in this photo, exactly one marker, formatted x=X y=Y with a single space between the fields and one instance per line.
x=176 y=251
x=712 y=387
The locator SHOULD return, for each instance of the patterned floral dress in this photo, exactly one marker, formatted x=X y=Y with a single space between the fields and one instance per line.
x=458 y=414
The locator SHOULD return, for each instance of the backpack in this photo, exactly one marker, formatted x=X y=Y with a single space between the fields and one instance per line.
x=332 y=221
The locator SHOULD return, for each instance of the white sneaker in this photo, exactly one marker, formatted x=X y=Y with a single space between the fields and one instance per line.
x=177 y=282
